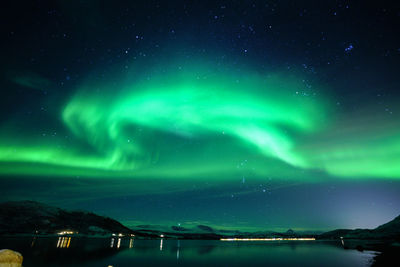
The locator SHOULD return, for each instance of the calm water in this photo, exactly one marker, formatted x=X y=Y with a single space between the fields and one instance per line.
x=132 y=252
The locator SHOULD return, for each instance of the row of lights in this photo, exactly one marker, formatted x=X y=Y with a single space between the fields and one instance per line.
x=268 y=239
x=122 y=235
x=66 y=233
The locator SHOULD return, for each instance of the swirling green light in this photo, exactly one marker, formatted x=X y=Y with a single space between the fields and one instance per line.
x=195 y=121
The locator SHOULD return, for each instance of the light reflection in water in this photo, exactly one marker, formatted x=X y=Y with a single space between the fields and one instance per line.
x=63 y=242
x=33 y=241
x=142 y=252
x=117 y=242
x=177 y=250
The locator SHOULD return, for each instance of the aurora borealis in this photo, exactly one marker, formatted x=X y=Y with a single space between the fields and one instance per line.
x=184 y=106
x=126 y=106
x=264 y=114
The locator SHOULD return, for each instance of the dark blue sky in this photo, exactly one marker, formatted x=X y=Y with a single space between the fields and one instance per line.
x=235 y=114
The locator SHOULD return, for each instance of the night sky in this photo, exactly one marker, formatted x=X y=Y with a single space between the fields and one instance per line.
x=235 y=114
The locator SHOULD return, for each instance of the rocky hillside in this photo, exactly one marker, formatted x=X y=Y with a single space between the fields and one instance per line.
x=390 y=230
x=28 y=217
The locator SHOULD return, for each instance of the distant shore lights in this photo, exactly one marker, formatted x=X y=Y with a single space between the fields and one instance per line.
x=66 y=232
x=270 y=239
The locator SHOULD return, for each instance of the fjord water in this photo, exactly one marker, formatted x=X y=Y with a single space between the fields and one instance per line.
x=117 y=252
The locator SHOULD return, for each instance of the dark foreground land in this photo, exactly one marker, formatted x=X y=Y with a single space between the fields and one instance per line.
x=35 y=220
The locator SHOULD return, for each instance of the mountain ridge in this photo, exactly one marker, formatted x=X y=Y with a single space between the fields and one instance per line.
x=24 y=217
x=30 y=217
x=389 y=230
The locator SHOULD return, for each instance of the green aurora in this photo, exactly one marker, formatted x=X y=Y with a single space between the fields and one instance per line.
x=198 y=121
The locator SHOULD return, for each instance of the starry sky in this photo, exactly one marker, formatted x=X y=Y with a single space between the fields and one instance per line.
x=235 y=114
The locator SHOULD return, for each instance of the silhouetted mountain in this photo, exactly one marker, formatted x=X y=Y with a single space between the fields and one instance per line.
x=179 y=228
x=28 y=217
x=290 y=232
x=205 y=228
x=387 y=231
x=391 y=228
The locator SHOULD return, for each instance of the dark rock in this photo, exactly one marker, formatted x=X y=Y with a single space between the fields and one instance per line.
x=10 y=258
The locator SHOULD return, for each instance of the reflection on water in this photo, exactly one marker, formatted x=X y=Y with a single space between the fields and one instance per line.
x=63 y=242
x=33 y=241
x=177 y=250
x=118 y=241
x=119 y=251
